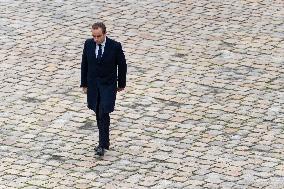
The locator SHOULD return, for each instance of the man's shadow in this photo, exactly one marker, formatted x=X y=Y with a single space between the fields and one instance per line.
x=87 y=126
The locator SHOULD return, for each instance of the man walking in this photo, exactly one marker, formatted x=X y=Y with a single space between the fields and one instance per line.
x=103 y=74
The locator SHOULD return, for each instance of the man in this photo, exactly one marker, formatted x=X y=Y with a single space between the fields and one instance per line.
x=103 y=74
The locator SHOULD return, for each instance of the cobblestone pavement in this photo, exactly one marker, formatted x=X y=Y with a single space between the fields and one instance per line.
x=204 y=105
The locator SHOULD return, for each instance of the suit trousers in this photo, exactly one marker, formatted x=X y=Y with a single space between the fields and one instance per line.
x=103 y=123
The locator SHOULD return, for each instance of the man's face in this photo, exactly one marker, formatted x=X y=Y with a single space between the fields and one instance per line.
x=98 y=35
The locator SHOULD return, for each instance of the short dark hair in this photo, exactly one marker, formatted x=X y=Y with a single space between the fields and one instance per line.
x=99 y=25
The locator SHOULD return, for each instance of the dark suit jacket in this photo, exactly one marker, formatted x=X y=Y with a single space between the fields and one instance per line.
x=104 y=76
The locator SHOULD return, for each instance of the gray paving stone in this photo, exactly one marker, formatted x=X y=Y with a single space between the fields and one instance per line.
x=203 y=107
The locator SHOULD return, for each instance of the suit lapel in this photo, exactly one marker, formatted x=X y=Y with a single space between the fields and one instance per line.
x=93 y=49
x=106 y=49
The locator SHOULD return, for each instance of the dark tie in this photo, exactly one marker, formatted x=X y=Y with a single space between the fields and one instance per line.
x=100 y=52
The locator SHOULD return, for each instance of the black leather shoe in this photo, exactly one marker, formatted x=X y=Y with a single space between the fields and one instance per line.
x=96 y=148
x=100 y=151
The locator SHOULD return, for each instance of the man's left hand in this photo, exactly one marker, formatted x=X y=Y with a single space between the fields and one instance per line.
x=120 y=89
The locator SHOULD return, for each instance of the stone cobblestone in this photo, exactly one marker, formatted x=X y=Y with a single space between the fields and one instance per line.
x=203 y=107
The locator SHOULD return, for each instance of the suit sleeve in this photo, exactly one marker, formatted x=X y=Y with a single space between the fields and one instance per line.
x=84 y=67
x=122 y=67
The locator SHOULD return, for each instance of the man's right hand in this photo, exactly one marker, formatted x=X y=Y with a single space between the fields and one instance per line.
x=85 y=89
